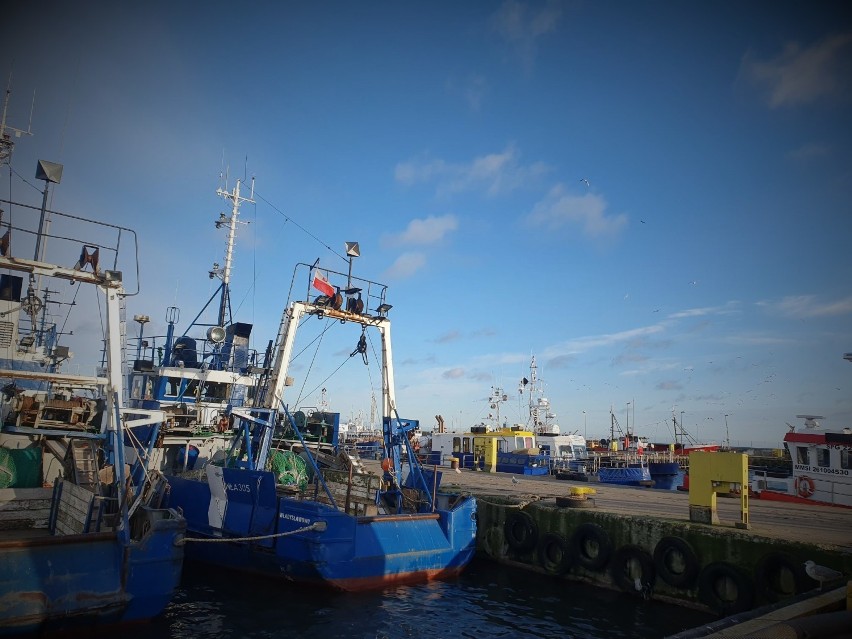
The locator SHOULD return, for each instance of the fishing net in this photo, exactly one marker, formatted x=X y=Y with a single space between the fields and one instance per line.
x=8 y=474
x=289 y=468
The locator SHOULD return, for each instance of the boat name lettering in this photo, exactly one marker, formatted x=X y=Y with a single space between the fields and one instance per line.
x=296 y=518
x=823 y=470
x=237 y=488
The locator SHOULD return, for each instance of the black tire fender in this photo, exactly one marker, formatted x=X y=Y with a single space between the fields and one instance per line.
x=676 y=562
x=778 y=576
x=591 y=546
x=725 y=588
x=521 y=531
x=554 y=554
x=631 y=564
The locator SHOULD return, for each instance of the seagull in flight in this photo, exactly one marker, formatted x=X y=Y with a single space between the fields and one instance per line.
x=586 y=182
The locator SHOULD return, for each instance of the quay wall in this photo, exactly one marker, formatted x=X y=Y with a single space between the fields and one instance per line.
x=720 y=568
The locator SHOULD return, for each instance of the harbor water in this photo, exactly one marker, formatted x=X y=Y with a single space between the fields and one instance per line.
x=488 y=600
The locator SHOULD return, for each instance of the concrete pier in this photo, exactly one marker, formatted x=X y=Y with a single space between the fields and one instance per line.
x=642 y=541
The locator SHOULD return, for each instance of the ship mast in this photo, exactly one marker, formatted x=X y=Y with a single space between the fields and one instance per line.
x=236 y=199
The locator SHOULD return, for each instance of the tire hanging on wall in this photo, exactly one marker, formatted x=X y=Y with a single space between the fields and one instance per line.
x=725 y=588
x=554 y=554
x=521 y=531
x=591 y=546
x=778 y=575
x=676 y=562
x=632 y=570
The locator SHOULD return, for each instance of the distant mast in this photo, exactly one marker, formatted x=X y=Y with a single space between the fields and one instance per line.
x=225 y=272
x=6 y=132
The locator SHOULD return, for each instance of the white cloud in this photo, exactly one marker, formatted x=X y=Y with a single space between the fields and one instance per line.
x=588 y=211
x=800 y=306
x=808 y=152
x=730 y=307
x=424 y=231
x=522 y=27
x=801 y=75
x=493 y=174
x=405 y=266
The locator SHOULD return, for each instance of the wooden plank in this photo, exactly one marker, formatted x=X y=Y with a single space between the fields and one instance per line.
x=11 y=494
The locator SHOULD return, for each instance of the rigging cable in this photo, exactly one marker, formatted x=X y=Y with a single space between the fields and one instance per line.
x=289 y=219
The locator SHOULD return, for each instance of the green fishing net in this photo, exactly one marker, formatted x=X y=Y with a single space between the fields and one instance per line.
x=8 y=474
x=289 y=468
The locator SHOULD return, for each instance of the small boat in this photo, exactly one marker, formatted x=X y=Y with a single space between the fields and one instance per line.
x=84 y=538
x=490 y=446
x=307 y=516
x=820 y=467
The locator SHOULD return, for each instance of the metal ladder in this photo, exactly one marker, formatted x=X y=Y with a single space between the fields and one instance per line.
x=85 y=465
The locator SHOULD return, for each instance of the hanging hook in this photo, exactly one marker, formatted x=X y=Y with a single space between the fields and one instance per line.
x=362 y=346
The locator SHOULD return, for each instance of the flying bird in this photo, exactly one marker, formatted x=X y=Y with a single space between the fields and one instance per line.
x=585 y=181
x=821 y=573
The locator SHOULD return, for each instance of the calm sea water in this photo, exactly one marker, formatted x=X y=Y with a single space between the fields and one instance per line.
x=488 y=600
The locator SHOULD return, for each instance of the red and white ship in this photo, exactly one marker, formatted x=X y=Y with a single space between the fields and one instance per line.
x=822 y=467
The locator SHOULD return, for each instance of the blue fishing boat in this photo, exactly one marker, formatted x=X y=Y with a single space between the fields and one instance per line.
x=291 y=508
x=625 y=474
x=84 y=538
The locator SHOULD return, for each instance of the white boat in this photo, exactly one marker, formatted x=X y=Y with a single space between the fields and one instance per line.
x=821 y=472
x=566 y=451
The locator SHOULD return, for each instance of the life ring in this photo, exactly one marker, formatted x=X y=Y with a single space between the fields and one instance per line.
x=725 y=588
x=676 y=562
x=778 y=576
x=632 y=570
x=521 y=531
x=591 y=546
x=554 y=553
x=804 y=486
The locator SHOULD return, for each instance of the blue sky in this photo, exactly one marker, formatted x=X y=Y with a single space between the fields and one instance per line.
x=652 y=198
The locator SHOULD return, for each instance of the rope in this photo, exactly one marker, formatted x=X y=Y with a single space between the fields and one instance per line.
x=317 y=525
x=519 y=506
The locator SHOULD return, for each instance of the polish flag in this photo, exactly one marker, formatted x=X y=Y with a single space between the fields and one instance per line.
x=322 y=285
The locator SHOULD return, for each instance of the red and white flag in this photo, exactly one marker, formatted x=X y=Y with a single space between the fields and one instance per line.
x=322 y=285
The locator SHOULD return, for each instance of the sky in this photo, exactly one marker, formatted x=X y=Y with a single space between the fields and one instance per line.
x=653 y=199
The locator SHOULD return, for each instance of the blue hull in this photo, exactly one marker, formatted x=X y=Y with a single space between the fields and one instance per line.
x=664 y=474
x=351 y=553
x=63 y=582
x=630 y=476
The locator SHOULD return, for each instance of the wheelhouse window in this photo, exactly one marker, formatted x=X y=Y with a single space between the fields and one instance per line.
x=822 y=455
x=802 y=455
x=846 y=459
x=456 y=444
x=466 y=445
x=136 y=387
x=527 y=442
x=172 y=386
x=215 y=391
